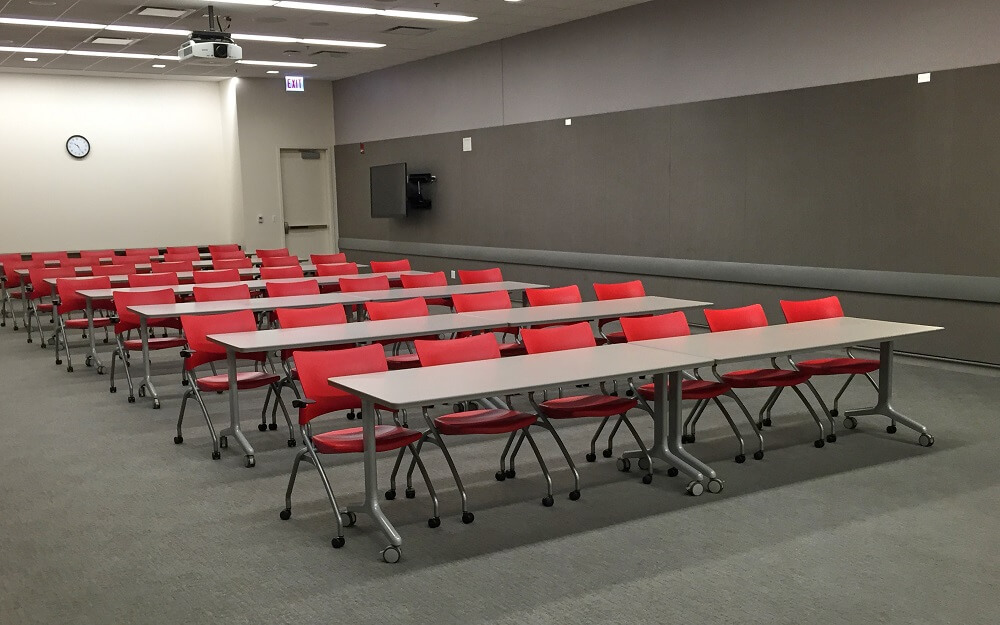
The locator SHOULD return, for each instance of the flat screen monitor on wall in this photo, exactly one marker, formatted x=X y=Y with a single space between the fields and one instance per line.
x=388 y=190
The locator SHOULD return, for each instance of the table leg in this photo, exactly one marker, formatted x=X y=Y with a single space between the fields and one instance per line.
x=144 y=335
x=90 y=333
x=234 y=413
x=24 y=304
x=372 y=506
x=884 y=406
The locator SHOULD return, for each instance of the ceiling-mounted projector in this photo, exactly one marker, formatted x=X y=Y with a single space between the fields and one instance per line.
x=211 y=46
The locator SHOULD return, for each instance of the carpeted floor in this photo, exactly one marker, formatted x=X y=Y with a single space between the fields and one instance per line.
x=104 y=520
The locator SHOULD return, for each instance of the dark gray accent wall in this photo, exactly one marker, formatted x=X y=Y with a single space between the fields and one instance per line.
x=885 y=175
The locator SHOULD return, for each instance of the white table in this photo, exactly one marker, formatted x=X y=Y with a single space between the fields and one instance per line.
x=588 y=311
x=507 y=376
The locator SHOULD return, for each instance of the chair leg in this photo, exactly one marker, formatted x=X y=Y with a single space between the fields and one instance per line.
x=592 y=456
x=547 y=500
x=832 y=436
x=287 y=512
x=648 y=478
x=759 y=454
x=840 y=393
x=338 y=540
x=435 y=519
x=575 y=493
x=216 y=454
x=610 y=449
x=410 y=492
x=819 y=423
x=114 y=356
x=61 y=333
x=263 y=411
x=513 y=454
x=741 y=456
x=688 y=433
x=288 y=420
x=502 y=473
x=179 y=438
x=397 y=465
x=766 y=408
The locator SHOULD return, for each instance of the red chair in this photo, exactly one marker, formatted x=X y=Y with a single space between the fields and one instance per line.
x=216 y=275
x=423 y=280
x=471 y=422
x=202 y=351
x=775 y=378
x=278 y=273
x=232 y=263
x=68 y=301
x=289 y=289
x=113 y=270
x=221 y=293
x=334 y=314
x=829 y=308
x=557 y=295
x=619 y=290
x=129 y=321
x=321 y=399
x=384 y=266
x=401 y=309
x=171 y=267
x=172 y=257
x=97 y=253
x=280 y=251
x=6 y=305
x=694 y=388
x=567 y=337
x=480 y=276
x=144 y=252
x=43 y=256
x=185 y=249
x=153 y=279
x=39 y=290
x=494 y=300
x=228 y=247
x=340 y=269
x=327 y=259
x=227 y=255
x=279 y=261
x=367 y=283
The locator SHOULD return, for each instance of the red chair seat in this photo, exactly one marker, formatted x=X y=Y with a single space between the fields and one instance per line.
x=43 y=307
x=691 y=389
x=135 y=345
x=616 y=337
x=81 y=324
x=350 y=440
x=836 y=366
x=495 y=421
x=512 y=349
x=245 y=380
x=764 y=378
x=403 y=361
x=587 y=406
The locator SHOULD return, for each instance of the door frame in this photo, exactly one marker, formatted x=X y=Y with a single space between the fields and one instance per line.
x=326 y=154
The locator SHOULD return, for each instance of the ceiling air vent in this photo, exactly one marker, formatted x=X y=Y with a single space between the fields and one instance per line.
x=408 y=30
x=162 y=12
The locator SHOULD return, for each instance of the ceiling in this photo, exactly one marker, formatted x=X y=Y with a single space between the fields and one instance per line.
x=496 y=19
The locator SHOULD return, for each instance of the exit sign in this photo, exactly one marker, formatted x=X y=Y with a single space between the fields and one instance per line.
x=295 y=83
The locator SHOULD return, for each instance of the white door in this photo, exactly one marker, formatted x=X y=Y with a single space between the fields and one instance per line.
x=306 y=202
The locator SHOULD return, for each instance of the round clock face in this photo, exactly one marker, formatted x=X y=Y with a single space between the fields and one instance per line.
x=78 y=146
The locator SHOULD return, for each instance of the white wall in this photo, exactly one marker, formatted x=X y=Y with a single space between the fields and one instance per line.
x=159 y=172
x=666 y=52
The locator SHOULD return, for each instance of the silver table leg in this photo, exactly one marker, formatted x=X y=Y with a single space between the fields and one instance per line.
x=883 y=406
x=24 y=302
x=144 y=335
x=90 y=333
x=234 y=412
x=371 y=505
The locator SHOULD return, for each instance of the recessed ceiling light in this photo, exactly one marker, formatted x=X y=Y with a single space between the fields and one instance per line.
x=355 y=10
x=31 y=59
x=421 y=15
x=41 y=3
x=32 y=50
x=276 y=63
x=47 y=23
x=332 y=8
x=121 y=28
x=159 y=66
x=273 y=71
x=112 y=41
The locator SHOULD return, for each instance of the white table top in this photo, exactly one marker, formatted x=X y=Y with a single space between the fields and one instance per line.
x=182 y=275
x=587 y=311
x=786 y=338
x=518 y=374
x=443 y=291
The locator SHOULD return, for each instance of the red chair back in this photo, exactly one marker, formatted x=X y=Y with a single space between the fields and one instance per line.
x=128 y=320
x=557 y=338
x=97 y=253
x=221 y=293
x=333 y=314
x=227 y=255
x=172 y=267
x=277 y=273
x=228 y=247
x=559 y=295
x=198 y=327
x=476 y=347
x=315 y=367
x=38 y=275
x=381 y=266
x=471 y=302
x=172 y=257
x=145 y=252
x=480 y=276
x=812 y=309
x=279 y=251
x=10 y=270
x=113 y=270
x=287 y=289
x=70 y=300
x=619 y=290
x=370 y=283
x=216 y=275
x=721 y=320
x=232 y=263
x=340 y=269
x=184 y=249
x=153 y=279
x=327 y=259
x=49 y=256
x=76 y=262
x=418 y=280
x=279 y=261
x=379 y=311
x=655 y=326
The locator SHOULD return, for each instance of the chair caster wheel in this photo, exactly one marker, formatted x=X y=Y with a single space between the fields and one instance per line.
x=390 y=555
x=672 y=472
x=591 y=457
x=685 y=439
x=758 y=455
x=337 y=542
x=261 y=427
x=184 y=382
x=510 y=473
x=850 y=423
x=131 y=399
x=574 y=495
x=468 y=517
x=818 y=443
x=352 y=519
x=434 y=521
x=715 y=485
x=142 y=390
x=291 y=442
x=767 y=422
x=224 y=442
x=216 y=455
x=390 y=494
x=630 y=393
x=500 y=475
x=834 y=412
x=351 y=416
x=69 y=369
x=156 y=404
x=607 y=453
x=891 y=429
x=647 y=479
x=547 y=501
x=695 y=489
x=740 y=459
x=926 y=440
x=272 y=426
x=100 y=370
x=178 y=440
x=831 y=438
x=58 y=361
x=624 y=465
x=410 y=493
x=113 y=389
x=251 y=462
x=285 y=514
x=643 y=464
x=89 y=361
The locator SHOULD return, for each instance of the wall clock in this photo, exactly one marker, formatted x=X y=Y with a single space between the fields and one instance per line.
x=78 y=146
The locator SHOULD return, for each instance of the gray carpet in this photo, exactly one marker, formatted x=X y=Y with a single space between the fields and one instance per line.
x=104 y=520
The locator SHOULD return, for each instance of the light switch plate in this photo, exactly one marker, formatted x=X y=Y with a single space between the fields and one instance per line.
x=466 y=144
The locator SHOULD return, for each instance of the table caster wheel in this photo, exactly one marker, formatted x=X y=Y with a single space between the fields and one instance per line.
x=251 y=462
x=410 y=493
x=925 y=440
x=500 y=476
x=891 y=429
x=156 y=404
x=547 y=501
x=352 y=519
x=695 y=489
x=850 y=422
x=647 y=479
x=272 y=426
x=672 y=472
x=834 y=412
x=715 y=485
x=390 y=494
x=131 y=399
x=261 y=427
x=337 y=542
x=291 y=442
x=510 y=473
x=624 y=465
x=607 y=453
x=740 y=459
x=390 y=555
x=758 y=455
x=224 y=442
x=216 y=455
x=831 y=438
x=818 y=443
x=285 y=514
x=178 y=440
x=574 y=495
x=434 y=522
x=643 y=464
x=468 y=517
x=591 y=457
